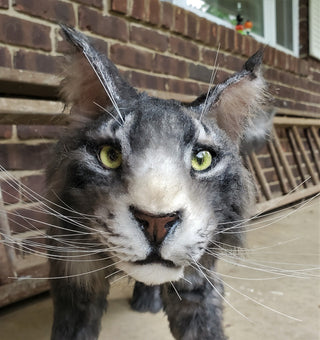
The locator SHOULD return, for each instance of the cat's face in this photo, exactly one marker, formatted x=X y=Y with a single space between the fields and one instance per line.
x=161 y=179
x=155 y=172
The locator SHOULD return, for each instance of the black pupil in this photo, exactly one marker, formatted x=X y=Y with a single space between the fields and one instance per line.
x=113 y=155
x=200 y=157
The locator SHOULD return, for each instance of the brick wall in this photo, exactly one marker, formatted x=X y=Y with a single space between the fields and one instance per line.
x=157 y=46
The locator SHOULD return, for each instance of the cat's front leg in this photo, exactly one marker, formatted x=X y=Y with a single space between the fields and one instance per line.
x=146 y=298
x=77 y=309
x=194 y=308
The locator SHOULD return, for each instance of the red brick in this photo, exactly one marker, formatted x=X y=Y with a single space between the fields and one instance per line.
x=34 y=61
x=52 y=10
x=179 y=20
x=5 y=57
x=237 y=39
x=246 y=46
x=184 y=48
x=10 y=191
x=107 y=26
x=170 y=65
x=192 y=25
x=316 y=76
x=131 y=57
x=149 y=38
x=20 y=32
x=22 y=220
x=280 y=59
x=276 y=189
x=25 y=132
x=303 y=67
x=154 y=12
x=31 y=186
x=146 y=81
x=231 y=62
x=139 y=10
x=222 y=37
x=167 y=15
x=183 y=87
x=214 y=34
x=4 y=4
x=209 y=57
x=93 y=3
x=5 y=131
x=200 y=72
x=229 y=39
x=271 y=175
x=119 y=6
x=255 y=46
x=24 y=157
x=221 y=76
x=203 y=32
x=269 y=54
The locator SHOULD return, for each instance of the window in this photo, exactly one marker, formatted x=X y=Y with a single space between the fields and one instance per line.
x=314 y=28
x=275 y=22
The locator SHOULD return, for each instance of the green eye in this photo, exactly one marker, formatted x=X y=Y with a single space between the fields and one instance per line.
x=110 y=157
x=201 y=160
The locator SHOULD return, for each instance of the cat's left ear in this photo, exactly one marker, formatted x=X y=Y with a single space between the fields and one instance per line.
x=92 y=82
x=232 y=103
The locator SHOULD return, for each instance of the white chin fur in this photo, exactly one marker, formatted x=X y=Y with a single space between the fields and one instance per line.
x=151 y=274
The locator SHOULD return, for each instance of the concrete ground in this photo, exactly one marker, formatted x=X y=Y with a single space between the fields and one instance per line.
x=272 y=292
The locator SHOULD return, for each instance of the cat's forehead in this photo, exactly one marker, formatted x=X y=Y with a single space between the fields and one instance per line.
x=151 y=121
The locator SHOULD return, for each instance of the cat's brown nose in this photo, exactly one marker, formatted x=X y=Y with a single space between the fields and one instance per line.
x=156 y=227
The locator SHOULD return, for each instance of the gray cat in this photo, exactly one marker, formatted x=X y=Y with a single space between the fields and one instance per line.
x=148 y=185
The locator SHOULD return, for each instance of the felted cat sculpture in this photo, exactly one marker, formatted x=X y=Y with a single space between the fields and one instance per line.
x=151 y=188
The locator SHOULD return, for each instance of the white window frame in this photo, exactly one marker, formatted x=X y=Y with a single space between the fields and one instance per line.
x=270 y=36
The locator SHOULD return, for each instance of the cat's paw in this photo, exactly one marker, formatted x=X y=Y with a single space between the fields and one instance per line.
x=146 y=298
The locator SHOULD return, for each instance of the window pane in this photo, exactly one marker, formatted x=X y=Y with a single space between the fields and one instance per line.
x=228 y=9
x=284 y=23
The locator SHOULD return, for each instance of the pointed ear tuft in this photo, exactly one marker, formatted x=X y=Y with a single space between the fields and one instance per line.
x=234 y=101
x=254 y=62
x=91 y=78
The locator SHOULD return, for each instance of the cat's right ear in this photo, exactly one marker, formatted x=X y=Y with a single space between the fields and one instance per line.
x=91 y=81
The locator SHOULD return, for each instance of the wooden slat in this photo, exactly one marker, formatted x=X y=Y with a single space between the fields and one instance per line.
x=5 y=268
x=297 y=155
x=304 y=155
x=283 y=159
x=285 y=200
x=293 y=113
x=315 y=154
x=28 y=83
x=278 y=168
x=25 y=287
x=31 y=111
x=315 y=136
x=5 y=233
x=260 y=175
x=289 y=121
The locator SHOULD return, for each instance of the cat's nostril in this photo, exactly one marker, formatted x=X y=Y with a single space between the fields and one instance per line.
x=155 y=227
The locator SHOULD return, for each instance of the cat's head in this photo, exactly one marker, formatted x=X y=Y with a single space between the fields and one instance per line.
x=163 y=179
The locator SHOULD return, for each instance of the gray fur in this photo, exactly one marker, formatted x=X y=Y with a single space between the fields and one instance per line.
x=157 y=139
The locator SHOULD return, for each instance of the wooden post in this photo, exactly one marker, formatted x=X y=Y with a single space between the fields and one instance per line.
x=298 y=157
x=260 y=175
x=278 y=167
x=284 y=161
x=304 y=155
x=6 y=234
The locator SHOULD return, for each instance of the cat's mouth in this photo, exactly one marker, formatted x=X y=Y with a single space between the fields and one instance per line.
x=156 y=258
x=153 y=270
